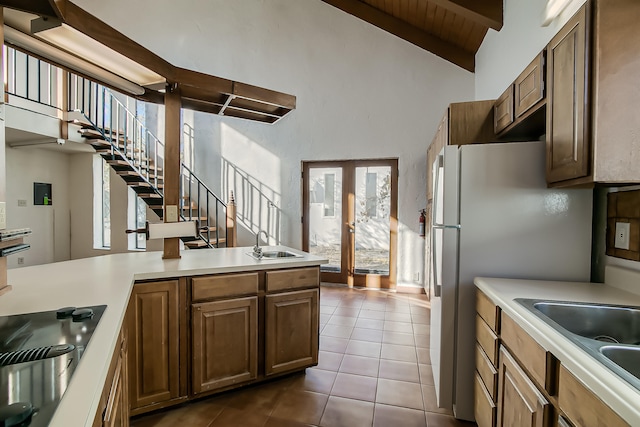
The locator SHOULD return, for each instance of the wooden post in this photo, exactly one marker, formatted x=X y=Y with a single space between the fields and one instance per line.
x=231 y=223
x=172 y=105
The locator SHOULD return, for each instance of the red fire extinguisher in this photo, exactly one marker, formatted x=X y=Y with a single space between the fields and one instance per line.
x=422 y=221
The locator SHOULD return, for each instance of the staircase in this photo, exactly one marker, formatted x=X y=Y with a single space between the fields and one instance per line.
x=137 y=156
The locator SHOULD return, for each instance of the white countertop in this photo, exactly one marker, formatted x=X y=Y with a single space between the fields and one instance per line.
x=623 y=398
x=108 y=280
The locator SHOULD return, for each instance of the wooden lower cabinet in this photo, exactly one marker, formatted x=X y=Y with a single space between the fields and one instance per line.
x=113 y=410
x=154 y=353
x=520 y=403
x=225 y=343
x=291 y=331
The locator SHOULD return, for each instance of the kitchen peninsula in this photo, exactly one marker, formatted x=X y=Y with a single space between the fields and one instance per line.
x=277 y=299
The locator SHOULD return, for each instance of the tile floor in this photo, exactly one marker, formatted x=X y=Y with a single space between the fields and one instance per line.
x=373 y=370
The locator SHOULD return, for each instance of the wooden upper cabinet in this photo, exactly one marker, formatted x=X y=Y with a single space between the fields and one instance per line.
x=503 y=110
x=225 y=343
x=567 y=115
x=463 y=123
x=593 y=66
x=291 y=331
x=529 y=86
x=520 y=403
x=154 y=369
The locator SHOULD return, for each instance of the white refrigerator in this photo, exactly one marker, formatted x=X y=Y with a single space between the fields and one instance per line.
x=493 y=216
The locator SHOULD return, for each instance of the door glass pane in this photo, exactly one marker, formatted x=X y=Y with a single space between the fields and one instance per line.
x=373 y=222
x=325 y=215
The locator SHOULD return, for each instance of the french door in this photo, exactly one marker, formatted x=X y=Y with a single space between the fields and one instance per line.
x=350 y=211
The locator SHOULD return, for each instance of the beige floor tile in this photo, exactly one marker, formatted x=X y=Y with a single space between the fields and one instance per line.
x=371 y=314
x=300 y=406
x=229 y=418
x=389 y=416
x=369 y=323
x=359 y=365
x=390 y=337
x=355 y=387
x=400 y=371
x=426 y=374
x=341 y=412
x=338 y=331
x=329 y=361
x=364 y=348
x=399 y=393
x=342 y=321
x=313 y=379
x=403 y=353
x=334 y=344
x=363 y=334
x=424 y=356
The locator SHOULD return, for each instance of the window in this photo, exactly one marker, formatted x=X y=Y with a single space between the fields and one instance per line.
x=329 y=194
x=136 y=218
x=371 y=198
x=101 y=204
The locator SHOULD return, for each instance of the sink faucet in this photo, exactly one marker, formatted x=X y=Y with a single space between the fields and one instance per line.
x=257 y=250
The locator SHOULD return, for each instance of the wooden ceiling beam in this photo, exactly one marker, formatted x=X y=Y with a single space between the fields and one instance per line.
x=404 y=30
x=488 y=13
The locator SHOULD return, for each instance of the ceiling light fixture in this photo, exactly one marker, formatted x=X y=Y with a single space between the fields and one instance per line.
x=67 y=60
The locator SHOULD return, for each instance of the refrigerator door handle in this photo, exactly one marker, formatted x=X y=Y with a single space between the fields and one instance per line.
x=437 y=288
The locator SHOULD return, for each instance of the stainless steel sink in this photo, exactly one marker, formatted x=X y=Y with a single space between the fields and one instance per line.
x=611 y=324
x=626 y=357
x=608 y=333
x=274 y=255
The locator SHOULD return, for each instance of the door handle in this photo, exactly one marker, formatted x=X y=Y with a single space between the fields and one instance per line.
x=352 y=227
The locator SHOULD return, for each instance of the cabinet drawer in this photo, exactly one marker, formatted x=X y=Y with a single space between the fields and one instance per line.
x=224 y=285
x=487 y=340
x=581 y=406
x=489 y=312
x=298 y=278
x=529 y=86
x=484 y=408
x=528 y=352
x=487 y=372
x=503 y=110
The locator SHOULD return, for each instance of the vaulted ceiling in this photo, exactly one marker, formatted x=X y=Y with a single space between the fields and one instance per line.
x=451 y=29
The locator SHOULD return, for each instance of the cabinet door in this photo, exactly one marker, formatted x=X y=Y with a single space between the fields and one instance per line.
x=225 y=343
x=154 y=369
x=115 y=414
x=568 y=146
x=503 y=110
x=291 y=330
x=529 y=86
x=519 y=401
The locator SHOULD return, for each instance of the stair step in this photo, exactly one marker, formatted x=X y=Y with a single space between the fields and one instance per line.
x=191 y=218
x=199 y=244
x=149 y=196
x=143 y=184
x=211 y=228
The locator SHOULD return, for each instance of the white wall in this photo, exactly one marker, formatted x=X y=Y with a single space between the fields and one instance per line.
x=50 y=241
x=361 y=93
x=503 y=55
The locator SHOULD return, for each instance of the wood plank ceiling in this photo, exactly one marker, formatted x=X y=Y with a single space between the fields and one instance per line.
x=451 y=29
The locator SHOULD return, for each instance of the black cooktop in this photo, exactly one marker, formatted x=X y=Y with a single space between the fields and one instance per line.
x=39 y=353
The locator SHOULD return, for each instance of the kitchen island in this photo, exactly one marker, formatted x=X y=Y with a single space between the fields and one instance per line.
x=110 y=280
x=585 y=391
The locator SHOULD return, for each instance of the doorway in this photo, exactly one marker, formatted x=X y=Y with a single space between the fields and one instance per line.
x=350 y=211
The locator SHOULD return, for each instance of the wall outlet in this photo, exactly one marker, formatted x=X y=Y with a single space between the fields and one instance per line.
x=416 y=276
x=622 y=235
x=20 y=260
x=171 y=211
x=3 y=215
x=22 y=203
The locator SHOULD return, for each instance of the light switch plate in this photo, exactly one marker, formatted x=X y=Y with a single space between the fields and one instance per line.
x=623 y=230
x=3 y=215
x=172 y=213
